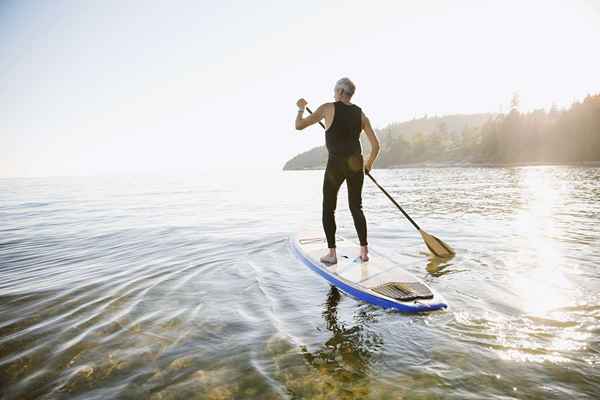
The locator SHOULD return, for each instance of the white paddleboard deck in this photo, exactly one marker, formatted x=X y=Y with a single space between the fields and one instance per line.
x=381 y=281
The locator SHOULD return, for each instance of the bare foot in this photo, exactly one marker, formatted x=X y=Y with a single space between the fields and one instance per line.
x=329 y=258
x=364 y=253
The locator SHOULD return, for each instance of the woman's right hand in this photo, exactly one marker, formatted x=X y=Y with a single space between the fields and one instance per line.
x=301 y=103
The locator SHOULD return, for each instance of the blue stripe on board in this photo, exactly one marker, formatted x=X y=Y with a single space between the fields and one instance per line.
x=361 y=295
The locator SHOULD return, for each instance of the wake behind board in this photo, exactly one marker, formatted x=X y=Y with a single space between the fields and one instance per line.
x=380 y=281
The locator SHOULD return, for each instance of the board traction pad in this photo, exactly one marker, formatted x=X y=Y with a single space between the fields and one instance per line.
x=404 y=291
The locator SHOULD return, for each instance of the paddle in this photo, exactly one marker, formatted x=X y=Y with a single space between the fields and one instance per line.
x=435 y=245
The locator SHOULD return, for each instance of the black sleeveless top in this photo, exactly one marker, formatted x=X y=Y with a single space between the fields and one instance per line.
x=342 y=137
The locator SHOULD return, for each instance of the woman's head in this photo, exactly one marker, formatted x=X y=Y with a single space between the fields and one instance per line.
x=344 y=89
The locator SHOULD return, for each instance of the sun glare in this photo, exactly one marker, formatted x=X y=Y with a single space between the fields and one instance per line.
x=537 y=276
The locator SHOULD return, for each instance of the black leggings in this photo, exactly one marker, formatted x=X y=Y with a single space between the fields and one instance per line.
x=350 y=169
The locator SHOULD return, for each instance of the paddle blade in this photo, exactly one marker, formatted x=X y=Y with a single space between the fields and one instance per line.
x=436 y=246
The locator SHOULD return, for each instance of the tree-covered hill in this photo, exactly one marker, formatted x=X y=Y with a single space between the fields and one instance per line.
x=396 y=134
x=554 y=136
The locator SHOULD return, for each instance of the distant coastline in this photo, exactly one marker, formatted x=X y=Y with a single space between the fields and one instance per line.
x=554 y=137
x=468 y=165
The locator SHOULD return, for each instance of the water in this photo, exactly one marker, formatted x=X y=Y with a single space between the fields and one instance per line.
x=184 y=287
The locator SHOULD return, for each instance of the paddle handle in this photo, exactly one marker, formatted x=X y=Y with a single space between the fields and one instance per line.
x=382 y=189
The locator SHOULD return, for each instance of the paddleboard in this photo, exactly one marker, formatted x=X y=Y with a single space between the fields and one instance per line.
x=381 y=281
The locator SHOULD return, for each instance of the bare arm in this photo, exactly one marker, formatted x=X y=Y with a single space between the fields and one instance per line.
x=366 y=125
x=311 y=119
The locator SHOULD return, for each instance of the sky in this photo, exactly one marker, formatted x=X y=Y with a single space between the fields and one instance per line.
x=110 y=87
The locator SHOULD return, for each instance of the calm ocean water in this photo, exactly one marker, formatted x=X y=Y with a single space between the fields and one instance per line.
x=185 y=287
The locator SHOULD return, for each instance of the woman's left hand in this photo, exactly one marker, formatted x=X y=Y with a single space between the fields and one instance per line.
x=369 y=165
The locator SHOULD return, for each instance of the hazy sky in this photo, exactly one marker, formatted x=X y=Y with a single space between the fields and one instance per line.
x=93 y=87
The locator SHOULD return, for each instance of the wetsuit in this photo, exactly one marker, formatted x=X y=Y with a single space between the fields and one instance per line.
x=345 y=162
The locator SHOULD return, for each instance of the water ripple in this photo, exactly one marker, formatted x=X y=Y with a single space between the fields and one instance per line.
x=179 y=287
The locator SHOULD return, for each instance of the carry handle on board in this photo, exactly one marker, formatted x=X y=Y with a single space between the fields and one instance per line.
x=435 y=245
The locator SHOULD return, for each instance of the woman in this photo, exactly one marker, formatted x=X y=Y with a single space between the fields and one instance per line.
x=344 y=123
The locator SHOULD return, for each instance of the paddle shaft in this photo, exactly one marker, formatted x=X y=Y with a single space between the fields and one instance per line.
x=412 y=221
x=382 y=189
x=310 y=112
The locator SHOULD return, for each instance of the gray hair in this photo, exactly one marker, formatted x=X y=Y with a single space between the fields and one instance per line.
x=346 y=85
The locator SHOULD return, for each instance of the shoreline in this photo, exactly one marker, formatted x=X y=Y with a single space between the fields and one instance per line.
x=471 y=165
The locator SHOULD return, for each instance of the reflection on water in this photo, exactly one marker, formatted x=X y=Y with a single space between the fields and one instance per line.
x=438 y=267
x=344 y=359
x=184 y=287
